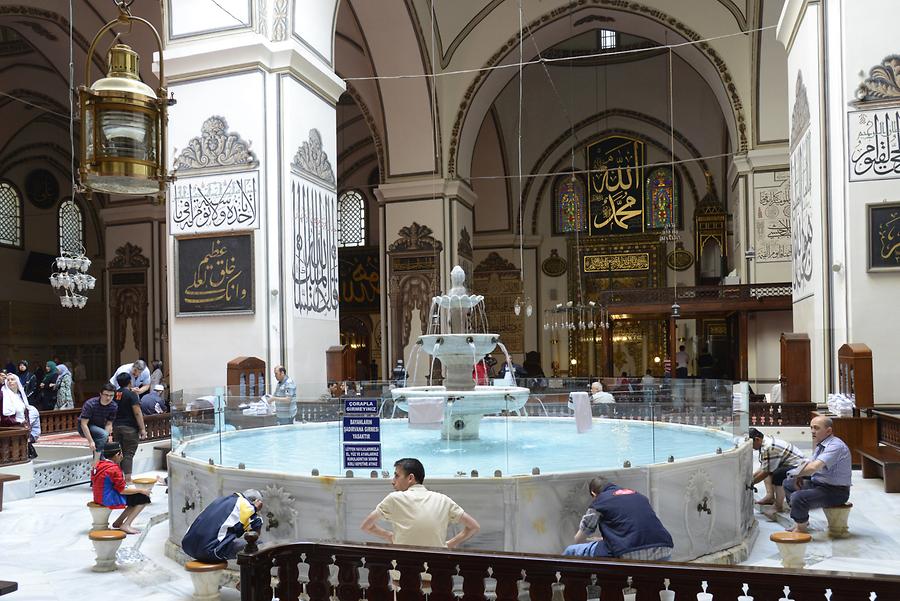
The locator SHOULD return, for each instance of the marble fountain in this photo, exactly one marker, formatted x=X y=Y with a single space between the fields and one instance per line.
x=523 y=478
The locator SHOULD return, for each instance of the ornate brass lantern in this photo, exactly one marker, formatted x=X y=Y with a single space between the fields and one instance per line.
x=123 y=121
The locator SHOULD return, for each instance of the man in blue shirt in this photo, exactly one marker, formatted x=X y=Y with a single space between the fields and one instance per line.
x=627 y=522
x=824 y=480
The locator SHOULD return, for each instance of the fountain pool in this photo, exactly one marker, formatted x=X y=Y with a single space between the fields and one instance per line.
x=513 y=445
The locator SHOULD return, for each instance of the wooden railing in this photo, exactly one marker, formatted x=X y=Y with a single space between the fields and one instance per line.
x=888 y=428
x=781 y=414
x=346 y=572
x=59 y=420
x=66 y=420
x=13 y=445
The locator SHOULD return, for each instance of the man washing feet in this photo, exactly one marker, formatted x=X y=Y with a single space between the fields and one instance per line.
x=823 y=481
x=776 y=458
x=108 y=485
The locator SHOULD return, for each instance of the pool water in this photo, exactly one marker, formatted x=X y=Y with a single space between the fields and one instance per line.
x=513 y=445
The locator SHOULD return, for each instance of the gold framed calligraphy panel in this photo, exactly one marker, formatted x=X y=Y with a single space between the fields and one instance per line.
x=616 y=186
x=215 y=275
x=616 y=263
x=883 y=231
x=360 y=281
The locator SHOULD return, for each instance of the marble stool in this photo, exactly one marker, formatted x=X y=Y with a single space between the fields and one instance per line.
x=837 y=520
x=792 y=547
x=106 y=543
x=99 y=516
x=207 y=579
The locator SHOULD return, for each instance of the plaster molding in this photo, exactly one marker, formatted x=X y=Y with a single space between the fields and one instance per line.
x=789 y=22
x=199 y=58
x=762 y=158
x=426 y=189
x=216 y=147
x=883 y=83
x=506 y=240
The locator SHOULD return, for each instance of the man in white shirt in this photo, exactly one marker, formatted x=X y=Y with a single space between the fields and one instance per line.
x=599 y=396
x=420 y=517
x=681 y=362
x=140 y=376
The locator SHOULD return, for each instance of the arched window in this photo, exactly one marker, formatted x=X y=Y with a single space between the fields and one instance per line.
x=569 y=206
x=71 y=226
x=662 y=199
x=351 y=215
x=10 y=215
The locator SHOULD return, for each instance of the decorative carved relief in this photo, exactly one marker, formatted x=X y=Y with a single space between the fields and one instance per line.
x=280 y=513
x=280 y=21
x=415 y=237
x=416 y=293
x=65 y=472
x=216 y=147
x=311 y=160
x=261 y=28
x=129 y=255
x=504 y=281
x=883 y=82
x=800 y=118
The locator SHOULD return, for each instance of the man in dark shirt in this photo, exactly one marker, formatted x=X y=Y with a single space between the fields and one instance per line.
x=128 y=426
x=152 y=403
x=95 y=422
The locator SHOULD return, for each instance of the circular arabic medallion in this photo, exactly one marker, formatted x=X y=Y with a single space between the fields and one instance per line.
x=554 y=265
x=41 y=188
x=679 y=259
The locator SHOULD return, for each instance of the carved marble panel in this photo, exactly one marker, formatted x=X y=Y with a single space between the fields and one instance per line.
x=215 y=203
x=772 y=218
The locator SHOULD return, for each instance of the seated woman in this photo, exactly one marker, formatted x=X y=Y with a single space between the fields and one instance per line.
x=108 y=485
x=14 y=403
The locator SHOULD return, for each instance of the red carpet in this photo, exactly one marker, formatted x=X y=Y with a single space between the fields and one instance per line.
x=63 y=439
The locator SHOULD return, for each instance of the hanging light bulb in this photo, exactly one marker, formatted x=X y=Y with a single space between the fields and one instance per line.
x=528 y=309
x=517 y=308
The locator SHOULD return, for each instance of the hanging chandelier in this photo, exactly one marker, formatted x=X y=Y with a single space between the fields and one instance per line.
x=71 y=278
x=571 y=316
x=123 y=120
x=523 y=303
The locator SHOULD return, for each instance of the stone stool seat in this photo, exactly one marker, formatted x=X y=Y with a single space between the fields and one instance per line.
x=207 y=579
x=144 y=481
x=99 y=516
x=792 y=547
x=106 y=543
x=837 y=520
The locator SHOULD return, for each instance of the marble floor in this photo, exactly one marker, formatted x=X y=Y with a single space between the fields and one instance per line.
x=47 y=551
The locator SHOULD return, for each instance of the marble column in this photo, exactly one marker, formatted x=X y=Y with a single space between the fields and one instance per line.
x=252 y=216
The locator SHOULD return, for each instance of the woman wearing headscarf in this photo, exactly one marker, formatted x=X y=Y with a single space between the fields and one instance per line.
x=27 y=381
x=14 y=404
x=64 y=388
x=48 y=386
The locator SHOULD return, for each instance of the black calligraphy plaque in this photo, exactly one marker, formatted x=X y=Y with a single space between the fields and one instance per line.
x=616 y=191
x=215 y=274
x=359 y=279
x=884 y=236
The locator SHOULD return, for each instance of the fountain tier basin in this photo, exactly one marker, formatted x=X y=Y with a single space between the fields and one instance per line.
x=517 y=511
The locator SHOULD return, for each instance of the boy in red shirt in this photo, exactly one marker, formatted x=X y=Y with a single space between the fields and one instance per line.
x=108 y=485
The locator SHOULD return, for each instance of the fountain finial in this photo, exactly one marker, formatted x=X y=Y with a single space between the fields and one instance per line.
x=457 y=282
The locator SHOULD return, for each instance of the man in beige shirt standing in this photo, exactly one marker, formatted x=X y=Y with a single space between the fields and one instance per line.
x=420 y=517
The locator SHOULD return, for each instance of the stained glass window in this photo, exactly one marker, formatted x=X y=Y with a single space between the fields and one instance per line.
x=351 y=214
x=10 y=215
x=662 y=199
x=71 y=227
x=569 y=210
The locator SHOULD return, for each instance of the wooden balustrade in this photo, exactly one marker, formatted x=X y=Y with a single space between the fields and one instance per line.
x=159 y=426
x=13 y=445
x=319 y=572
x=888 y=428
x=781 y=414
x=59 y=420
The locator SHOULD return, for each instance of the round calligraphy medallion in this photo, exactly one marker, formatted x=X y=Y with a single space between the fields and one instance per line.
x=41 y=188
x=679 y=259
x=554 y=265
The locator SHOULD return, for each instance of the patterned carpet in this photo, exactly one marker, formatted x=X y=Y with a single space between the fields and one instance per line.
x=63 y=439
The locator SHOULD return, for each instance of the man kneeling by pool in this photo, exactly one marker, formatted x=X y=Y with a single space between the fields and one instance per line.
x=627 y=522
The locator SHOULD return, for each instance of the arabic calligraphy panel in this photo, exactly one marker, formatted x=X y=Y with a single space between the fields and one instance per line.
x=802 y=220
x=884 y=236
x=874 y=144
x=772 y=218
x=359 y=277
x=215 y=274
x=315 y=250
x=616 y=186
x=215 y=203
x=617 y=262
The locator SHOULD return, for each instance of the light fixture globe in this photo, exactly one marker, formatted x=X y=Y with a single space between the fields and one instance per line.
x=123 y=122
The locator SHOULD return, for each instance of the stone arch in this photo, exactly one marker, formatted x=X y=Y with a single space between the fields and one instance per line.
x=552 y=28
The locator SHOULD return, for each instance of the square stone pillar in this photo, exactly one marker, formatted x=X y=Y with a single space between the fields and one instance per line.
x=252 y=216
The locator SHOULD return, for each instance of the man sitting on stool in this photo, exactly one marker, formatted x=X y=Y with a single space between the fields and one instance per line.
x=108 y=485
x=627 y=522
x=776 y=458
x=823 y=481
